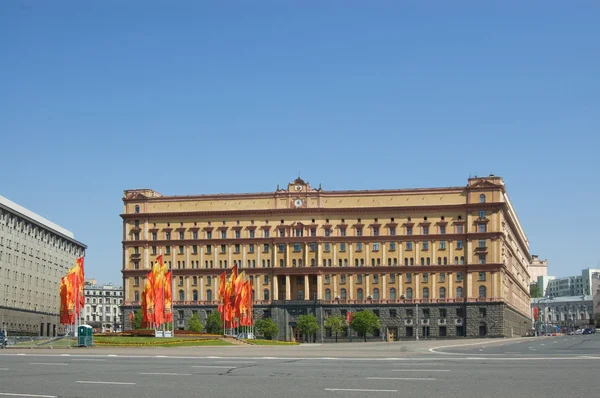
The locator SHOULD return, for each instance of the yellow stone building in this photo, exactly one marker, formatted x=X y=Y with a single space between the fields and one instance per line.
x=432 y=261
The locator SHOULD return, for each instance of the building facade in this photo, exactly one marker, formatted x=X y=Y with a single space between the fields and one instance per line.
x=566 y=312
x=103 y=307
x=538 y=268
x=576 y=285
x=459 y=253
x=34 y=254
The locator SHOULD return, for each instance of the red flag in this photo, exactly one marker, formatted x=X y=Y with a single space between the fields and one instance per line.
x=349 y=317
x=81 y=270
x=168 y=297
x=222 y=285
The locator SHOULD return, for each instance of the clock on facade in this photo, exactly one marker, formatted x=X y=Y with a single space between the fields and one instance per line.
x=298 y=202
x=298 y=188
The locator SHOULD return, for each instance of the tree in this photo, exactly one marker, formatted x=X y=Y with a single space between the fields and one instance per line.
x=214 y=324
x=336 y=324
x=137 y=320
x=365 y=322
x=307 y=324
x=194 y=324
x=267 y=328
x=534 y=291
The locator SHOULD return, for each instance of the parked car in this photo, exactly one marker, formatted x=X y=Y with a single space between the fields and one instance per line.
x=588 y=331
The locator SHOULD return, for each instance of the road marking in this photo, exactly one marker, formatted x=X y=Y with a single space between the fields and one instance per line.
x=214 y=367
x=420 y=370
x=105 y=382
x=358 y=390
x=160 y=356
x=8 y=394
x=434 y=349
x=49 y=363
x=402 y=378
x=236 y=362
x=545 y=344
x=65 y=355
x=111 y=355
x=167 y=374
x=3 y=368
x=88 y=359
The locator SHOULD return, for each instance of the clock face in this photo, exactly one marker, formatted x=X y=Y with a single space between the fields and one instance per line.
x=298 y=187
x=298 y=202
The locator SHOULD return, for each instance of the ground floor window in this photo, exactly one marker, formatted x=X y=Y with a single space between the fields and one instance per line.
x=460 y=331
x=482 y=330
x=442 y=331
x=409 y=331
x=425 y=331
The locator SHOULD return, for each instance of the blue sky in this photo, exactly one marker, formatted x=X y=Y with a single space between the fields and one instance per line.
x=210 y=97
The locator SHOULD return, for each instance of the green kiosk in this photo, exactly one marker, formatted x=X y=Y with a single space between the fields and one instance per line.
x=84 y=336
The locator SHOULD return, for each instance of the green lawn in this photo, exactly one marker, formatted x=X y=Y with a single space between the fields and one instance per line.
x=67 y=342
x=116 y=341
x=269 y=342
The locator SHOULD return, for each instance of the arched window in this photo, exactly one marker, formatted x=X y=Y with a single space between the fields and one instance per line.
x=209 y=295
x=300 y=295
x=362 y=262
x=264 y=263
x=376 y=293
x=389 y=261
x=459 y=292
x=300 y=263
x=329 y=262
x=220 y=263
x=181 y=295
x=445 y=260
x=280 y=262
x=136 y=296
x=359 y=294
x=482 y=292
x=266 y=294
x=456 y=260
x=137 y=209
x=372 y=262
x=225 y=263
x=340 y=262
x=428 y=261
x=268 y=263
x=327 y=294
x=356 y=262
x=293 y=262
x=195 y=295
x=462 y=259
x=312 y=262
x=345 y=262
x=406 y=261
x=482 y=198
x=412 y=261
x=393 y=294
x=253 y=295
x=324 y=263
x=395 y=260
x=378 y=262
x=425 y=292
x=439 y=261
x=422 y=260
x=409 y=293
x=343 y=294
x=442 y=292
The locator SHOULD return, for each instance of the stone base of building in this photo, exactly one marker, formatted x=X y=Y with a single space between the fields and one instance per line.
x=29 y=323
x=398 y=322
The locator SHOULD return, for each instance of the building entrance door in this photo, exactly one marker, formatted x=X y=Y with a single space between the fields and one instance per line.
x=392 y=334
x=297 y=335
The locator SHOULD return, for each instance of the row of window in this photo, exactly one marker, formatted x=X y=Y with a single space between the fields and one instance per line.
x=299 y=232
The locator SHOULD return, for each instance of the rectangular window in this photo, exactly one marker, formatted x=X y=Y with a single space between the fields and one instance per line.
x=442 y=245
x=195 y=249
x=136 y=235
x=168 y=235
x=459 y=229
x=375 y=231
x=327 y=279
x=281 y=247
x=195 y=235
x=408 y=278
x=409 y=231
x=181 y=236
x=180 y=249
x=208 y=234
x=482 y=312
x=327 y=247
x=266 y=248
x=481 y=213
x=266 y=233
x=208 y=280
x=425 y=277
x=154 y=236
x=266 y=280
x=442 y=229
x=392 y=246
x=482 y=228
x=442 y=277
x=208 y=249
x=409 y=245
x=223 y=234
x=443 y=312
x=392 y=278
x=168 y=250
x=425 y=230
x=238 y=234
x=482 y=259
x=482 y=244
x=393 y=231
x=251 y=248
x=136 y=281
x=359 y=278
x=297 y=247
x=328 y=232
x=313 y=247
x=342 y=247
x=375 y=247
x=459 y=244
x=236 y=248
x=313 y=232
x=358 y=231
x=251 y=232
x=223 y=249
x=299 y=232
x=342 y=231
x=375 y=279
x=482 y=276
x=425 y=245
x=459 y=276
x=359 y=247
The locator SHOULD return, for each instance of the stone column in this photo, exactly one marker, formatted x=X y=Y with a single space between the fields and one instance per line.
x=493 y=277
x=367 y=286
x=286 y=260
x=367 y=254
x=350 y=287
x=433 y=289
x=383 y=253
x=187 y=257
x=258 y=252
x=417 y=291
x=216 y=256
x=319 y=254
x=244 y=257
x=469 y=285
x=383 y=287
x=173 y=256
x=275 y=285
x=146 y=263
x=229 y=250
x=350 y=255
x=334 y=279
x=450 y=285
x=468 y=254
x=450 y=253
x=288 y=288
x=306 y=288
x=417 y=252
x=433 y=253
x=306 y=262
x=201 y=256
x=187 y=288
x=201 y=295
x=319 y=287
x=334 y=260
x=215 y=288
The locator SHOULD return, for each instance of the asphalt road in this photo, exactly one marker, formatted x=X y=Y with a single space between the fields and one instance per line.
x=554 y=367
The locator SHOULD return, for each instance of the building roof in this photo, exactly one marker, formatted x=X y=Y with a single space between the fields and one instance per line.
x=563 y=299
x=35 y=217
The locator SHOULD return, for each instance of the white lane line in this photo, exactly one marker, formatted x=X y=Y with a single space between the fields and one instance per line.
x=105 y=382
x=3 y=368
x=111 y=355
x=49 y=363
x=402 y=378
x=358 y=390
x=167 y=374
x=89 y=359
x=9 y=394
x=542 y=344
x=214 y=367
x=420 y=370
x=236 y=362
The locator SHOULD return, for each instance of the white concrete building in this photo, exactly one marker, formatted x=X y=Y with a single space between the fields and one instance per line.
x=103 y=307
x=34 y=254
x=537 y=267
x=576 y=285
x=566 y=312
